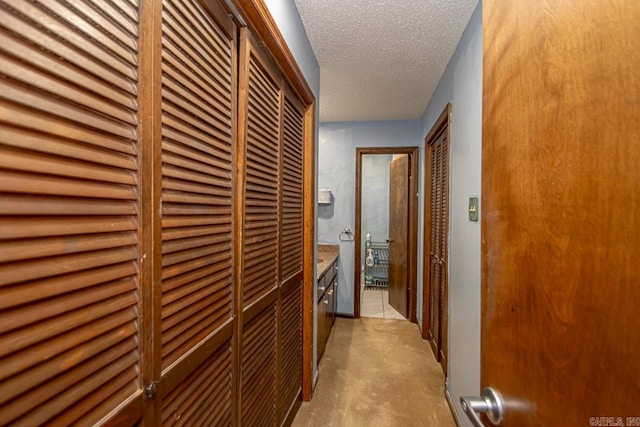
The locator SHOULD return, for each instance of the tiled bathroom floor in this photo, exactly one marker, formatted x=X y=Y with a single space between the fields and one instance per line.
x=375 y=303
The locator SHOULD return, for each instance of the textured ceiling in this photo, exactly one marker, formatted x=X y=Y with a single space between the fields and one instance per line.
x=381 y=59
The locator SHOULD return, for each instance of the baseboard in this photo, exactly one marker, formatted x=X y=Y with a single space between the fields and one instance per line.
x=423 y=331
x=452 y=407
x=345 y=315
x=434 y=349
x=420 y=330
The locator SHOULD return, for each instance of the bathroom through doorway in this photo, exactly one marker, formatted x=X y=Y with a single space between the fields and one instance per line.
x=386 y=232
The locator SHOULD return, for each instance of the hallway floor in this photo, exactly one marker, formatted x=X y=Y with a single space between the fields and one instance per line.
x=377 y=373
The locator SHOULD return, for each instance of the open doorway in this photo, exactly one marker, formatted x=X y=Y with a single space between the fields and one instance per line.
x=386 y=232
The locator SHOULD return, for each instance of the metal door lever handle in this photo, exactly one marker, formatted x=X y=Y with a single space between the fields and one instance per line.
x=490 y=403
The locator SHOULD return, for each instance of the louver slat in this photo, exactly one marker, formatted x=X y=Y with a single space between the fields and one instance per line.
x=197 y=147
x=69 y=212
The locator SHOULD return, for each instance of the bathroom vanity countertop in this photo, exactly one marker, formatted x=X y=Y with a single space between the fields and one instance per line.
x=327 y=254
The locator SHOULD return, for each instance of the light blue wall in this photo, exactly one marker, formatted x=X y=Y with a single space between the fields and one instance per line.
x=287 y=18
x=337 y=171
x=461 y=85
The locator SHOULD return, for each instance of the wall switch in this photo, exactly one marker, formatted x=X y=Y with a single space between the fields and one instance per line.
x=473 y=209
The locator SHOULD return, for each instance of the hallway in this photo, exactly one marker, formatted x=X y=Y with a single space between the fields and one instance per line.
x=377 y=372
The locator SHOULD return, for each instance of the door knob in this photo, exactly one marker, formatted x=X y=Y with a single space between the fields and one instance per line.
x=490 y=403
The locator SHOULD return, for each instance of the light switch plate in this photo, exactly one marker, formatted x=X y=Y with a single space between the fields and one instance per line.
x=473 y=209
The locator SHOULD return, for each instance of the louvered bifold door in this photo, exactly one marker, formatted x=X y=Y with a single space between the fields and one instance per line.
x=291 y=239
x=259 y=115
x=435 y=151
x=443 y=241
x=70 y=203
x=439 y=198
x=198 y=126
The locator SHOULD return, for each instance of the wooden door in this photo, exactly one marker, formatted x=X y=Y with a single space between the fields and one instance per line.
x=195 y=266
x=270 y=180
x=561 y=210
x=260 y=109
x=72 y=342
x=291 y=248
x=438 y=223
x=398 y=233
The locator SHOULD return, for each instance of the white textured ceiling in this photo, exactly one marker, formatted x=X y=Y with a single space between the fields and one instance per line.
x=381 y=59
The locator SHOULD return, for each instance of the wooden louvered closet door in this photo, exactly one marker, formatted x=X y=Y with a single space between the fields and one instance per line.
x=438 y=160
x=259 y=115
x=70 y=212
x=151 y=221
x=198 y=103
x=291 y=239
x=271 y=143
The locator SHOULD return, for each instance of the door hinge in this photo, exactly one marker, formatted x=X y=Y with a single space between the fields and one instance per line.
x=150 y=390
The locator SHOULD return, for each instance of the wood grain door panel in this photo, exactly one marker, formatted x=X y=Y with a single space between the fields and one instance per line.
x=291 y=190
x=204 y=397
x=261 y=112
x=197 y=153
x=290 y=371
x=259 y=374
x=398 y=233
x=291 y=247
x=70 y=201
x=560 y=210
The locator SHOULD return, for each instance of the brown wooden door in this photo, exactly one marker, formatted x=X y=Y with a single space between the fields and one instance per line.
x=291 y=239
x=71 y=336
x=271 y=176
x=438 y=163
x=199 y=52
x=260 y=110
x=561 y=209
x=398 y=233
